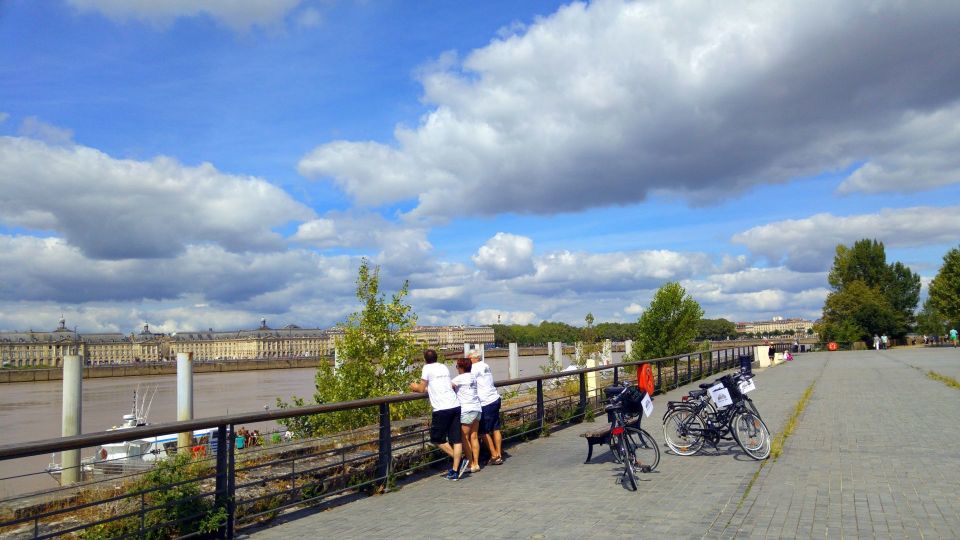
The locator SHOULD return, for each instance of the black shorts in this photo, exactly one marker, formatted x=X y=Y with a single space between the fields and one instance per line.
x=490 y=418
x=445 y=426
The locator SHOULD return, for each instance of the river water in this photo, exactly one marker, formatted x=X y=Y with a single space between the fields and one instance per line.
x=32 y=411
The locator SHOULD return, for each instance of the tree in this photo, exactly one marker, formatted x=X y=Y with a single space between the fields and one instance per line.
x=716 y=329
x=929 y=321
x=945 y=288
x=869 y=296
x=669 y=326
x=377 y=357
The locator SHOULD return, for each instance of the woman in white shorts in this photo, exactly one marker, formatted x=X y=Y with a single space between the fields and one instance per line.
x=466 y=386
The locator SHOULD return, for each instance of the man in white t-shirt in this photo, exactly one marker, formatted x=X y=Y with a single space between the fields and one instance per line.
x=490 y=403
x=445 y=423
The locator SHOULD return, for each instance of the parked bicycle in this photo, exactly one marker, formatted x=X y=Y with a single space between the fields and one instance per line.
x=630 y=444
x=718 y=411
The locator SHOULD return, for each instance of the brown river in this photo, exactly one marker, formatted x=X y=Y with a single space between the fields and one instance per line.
x=32 y=411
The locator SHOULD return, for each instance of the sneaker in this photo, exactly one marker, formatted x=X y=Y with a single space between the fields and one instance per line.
x=452 y=475
x=464 y=466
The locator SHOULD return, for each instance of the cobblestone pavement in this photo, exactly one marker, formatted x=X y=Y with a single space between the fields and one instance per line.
x=873 y=455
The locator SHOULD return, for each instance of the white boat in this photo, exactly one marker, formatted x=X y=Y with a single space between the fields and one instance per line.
x=136 y=455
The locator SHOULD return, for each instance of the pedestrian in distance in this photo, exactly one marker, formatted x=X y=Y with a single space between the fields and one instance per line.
x=876 y=342
x=884 y=342
x=953 y=337
x=445 y=422
x=490 y=403
x=465 y=384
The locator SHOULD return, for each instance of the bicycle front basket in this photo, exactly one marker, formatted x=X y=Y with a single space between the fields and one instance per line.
x=632 y=400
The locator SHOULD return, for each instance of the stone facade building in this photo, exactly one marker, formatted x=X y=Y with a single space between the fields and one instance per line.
x=37 y=349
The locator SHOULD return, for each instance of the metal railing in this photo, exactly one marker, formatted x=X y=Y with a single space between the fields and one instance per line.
x=231 y=488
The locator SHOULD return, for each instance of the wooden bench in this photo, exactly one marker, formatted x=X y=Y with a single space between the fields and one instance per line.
x=597 y=436
x=601 y=435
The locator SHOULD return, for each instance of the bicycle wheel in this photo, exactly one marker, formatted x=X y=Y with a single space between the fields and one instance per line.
x=629 y=478
x=615 y=448
x=645 y=449
x=683 y=431
x=752 y=435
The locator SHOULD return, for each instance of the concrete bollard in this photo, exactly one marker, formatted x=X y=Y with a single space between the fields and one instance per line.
x=466 y=349
x=591 y=378
x=607 y=352
x=578 y=352
x=483 y=352
x=514 y=363
x=627 y=348
x=184 y=398
x=72 y=416
x=761 y=353
x=558 y=353
x=550 y=348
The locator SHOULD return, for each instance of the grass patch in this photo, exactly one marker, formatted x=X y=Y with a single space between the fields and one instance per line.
x=776 y=446
x=949 y=381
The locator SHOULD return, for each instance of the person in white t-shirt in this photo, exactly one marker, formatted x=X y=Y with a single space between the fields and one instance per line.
x=445 y=423
x=490 y=405
x=466 y=386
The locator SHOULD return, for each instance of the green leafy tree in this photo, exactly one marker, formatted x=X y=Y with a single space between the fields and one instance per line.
x=945 y=288
x=669 y=326
x=869 y=296
x=716 y=329
x=377 y=357
x=930 y=322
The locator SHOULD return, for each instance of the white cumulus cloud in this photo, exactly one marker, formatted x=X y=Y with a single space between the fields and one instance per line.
x=606 y=102
x=808 y=244
x=505 y=256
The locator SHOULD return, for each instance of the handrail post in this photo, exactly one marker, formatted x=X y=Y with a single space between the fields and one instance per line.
x=700 y=371
x=231 y=480
x=616 y=375
x=539 y=405
x=676 y=372
x=386 y=449
x=222 y=496
x=582 y=406
x=660 y=376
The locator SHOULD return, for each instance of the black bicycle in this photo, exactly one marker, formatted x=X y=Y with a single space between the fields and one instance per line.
x=630 y=444
x=689 y=424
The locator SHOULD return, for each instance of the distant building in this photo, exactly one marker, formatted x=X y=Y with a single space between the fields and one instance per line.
x=442 y=337
x=777 y=324
x=30 y=348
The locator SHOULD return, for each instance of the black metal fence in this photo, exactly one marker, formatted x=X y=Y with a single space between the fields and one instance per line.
x=220 y=487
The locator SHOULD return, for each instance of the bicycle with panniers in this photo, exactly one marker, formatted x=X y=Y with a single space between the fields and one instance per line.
x=630 y=444
x=717 y=411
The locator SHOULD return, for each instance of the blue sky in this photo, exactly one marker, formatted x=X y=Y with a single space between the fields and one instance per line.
x=204 y=164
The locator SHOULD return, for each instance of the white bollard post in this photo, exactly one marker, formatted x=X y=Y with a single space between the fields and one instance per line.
x=483 y=352
x=591 y=378
x=185 y=398
x=72 y=415
x=607 y=352
x=578 y=352
x=558 y=353
x=514 y=364
x=627 y=348
x=466 y=350
x=550 y=348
